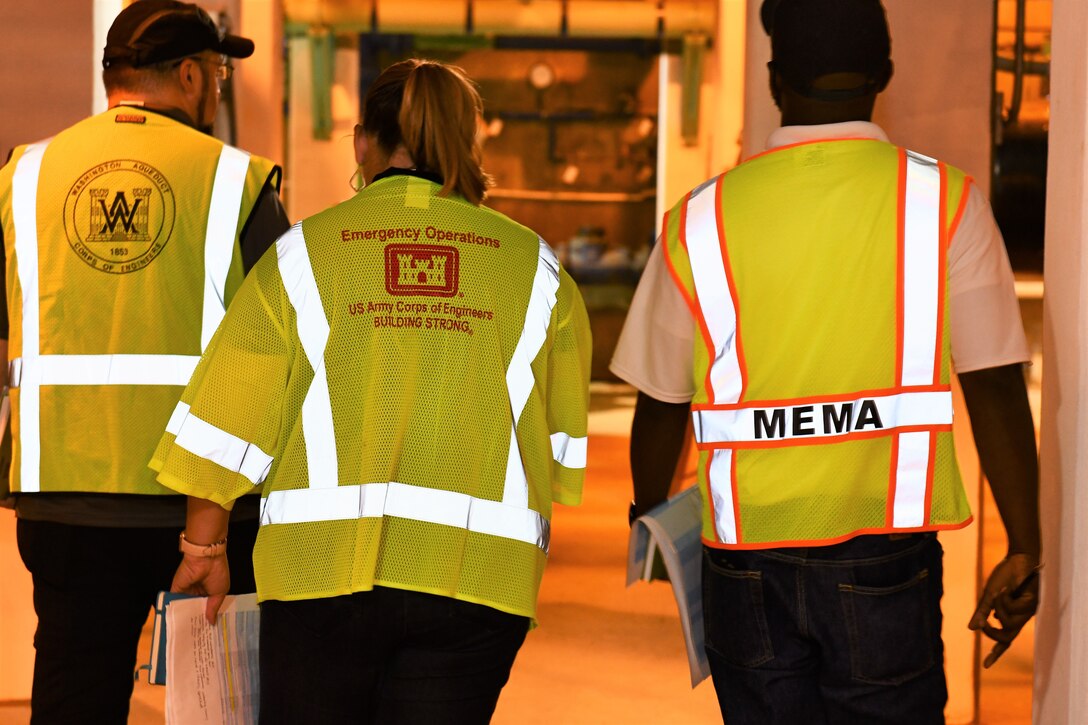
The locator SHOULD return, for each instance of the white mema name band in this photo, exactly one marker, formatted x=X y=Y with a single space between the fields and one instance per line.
x=824 y=419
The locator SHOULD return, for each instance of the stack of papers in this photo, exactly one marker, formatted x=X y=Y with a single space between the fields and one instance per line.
x=666 y=544
x=210 y=672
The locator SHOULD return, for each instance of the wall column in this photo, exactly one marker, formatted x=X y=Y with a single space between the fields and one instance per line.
x=1061 y=647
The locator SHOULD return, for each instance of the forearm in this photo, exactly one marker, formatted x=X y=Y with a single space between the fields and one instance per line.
x=657 y=439
x=1004 y=434
x=205 y=521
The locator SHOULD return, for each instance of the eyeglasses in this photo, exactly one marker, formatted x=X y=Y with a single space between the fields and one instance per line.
x=223 y=70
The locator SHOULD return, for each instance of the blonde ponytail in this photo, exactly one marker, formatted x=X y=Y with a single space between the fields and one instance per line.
x=433 y=110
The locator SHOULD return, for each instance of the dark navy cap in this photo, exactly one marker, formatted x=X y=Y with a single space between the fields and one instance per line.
x=813 y=38
x=153 y=31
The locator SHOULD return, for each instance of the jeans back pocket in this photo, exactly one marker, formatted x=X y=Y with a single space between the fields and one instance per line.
x=891 y=630
x=734 y=615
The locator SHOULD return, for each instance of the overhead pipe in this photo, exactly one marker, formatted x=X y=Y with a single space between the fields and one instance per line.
x=1019 y=50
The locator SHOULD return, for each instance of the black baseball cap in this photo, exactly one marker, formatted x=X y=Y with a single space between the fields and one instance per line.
x=813 y=38
x=153 y=31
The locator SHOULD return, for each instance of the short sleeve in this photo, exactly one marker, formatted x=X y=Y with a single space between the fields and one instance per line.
x=655 y=352
x=987 y=330
x=225 y=433
x=568 y=391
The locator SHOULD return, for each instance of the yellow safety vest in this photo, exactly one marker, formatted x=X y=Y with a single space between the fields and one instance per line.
x=121 y=238
x=817 y=274
x=408 y=377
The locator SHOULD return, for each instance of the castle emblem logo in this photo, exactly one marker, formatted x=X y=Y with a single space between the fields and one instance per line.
x=421 y=269
x=118 y=215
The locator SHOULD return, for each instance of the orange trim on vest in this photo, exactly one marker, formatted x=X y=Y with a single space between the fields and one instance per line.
x=831 y=398
x=809 y=142
x=688 y=300
x=893 y=467
x=967 y=183
x=930 y=473
x=838 y=539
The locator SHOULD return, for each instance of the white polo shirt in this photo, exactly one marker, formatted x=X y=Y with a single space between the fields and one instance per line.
x=655 y=349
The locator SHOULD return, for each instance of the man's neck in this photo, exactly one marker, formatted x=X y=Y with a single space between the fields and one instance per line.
x=164 y=106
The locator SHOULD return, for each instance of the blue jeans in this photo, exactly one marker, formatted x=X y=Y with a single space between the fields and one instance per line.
x=847 y=633
x=386 y=656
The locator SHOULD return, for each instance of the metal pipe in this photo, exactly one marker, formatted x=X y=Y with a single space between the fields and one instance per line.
x=1018 y=61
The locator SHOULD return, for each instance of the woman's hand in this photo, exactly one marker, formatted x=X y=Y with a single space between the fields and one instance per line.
x=204 y=576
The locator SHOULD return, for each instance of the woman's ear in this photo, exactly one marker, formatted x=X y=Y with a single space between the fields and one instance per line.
x=362 y=146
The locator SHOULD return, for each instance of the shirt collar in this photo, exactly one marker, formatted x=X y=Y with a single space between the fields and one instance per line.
x=789 y=135
x=418 y=173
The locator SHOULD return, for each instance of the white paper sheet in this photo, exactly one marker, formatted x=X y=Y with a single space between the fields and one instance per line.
x=212 y=670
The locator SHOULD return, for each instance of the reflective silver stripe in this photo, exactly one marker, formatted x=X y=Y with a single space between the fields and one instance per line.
x=24 y=207
x=921 y=288
x=313 y=332
x=103 y=370
x=714 y=295
x=569 y=452
x=911 y=479
x=921 y=269
x=416 y=503
x=720 y=485
x=218 y=446
x=715 y=301
x=823 y=419
x=519 y=374
x=223 y=214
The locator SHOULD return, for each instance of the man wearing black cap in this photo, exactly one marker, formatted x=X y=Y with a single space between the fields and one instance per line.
x=807 y=308
x=125 y=238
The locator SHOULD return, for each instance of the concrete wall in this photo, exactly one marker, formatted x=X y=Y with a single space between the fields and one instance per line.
x=939 y=99
x=1061 y=646
x=45 y=68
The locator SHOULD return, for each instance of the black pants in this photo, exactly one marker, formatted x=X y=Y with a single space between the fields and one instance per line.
x=93 y=589
x=385 y=656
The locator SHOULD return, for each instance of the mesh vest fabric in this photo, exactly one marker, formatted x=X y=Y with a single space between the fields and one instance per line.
x=122 y=215
x=425 y=300
x=809 y=236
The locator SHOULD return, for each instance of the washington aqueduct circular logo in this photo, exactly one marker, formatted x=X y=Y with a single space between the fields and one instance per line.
x=118 y=216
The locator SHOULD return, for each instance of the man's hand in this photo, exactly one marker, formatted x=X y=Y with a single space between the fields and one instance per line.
x=1012 y=598
x=657 y=439
x=204 y=576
